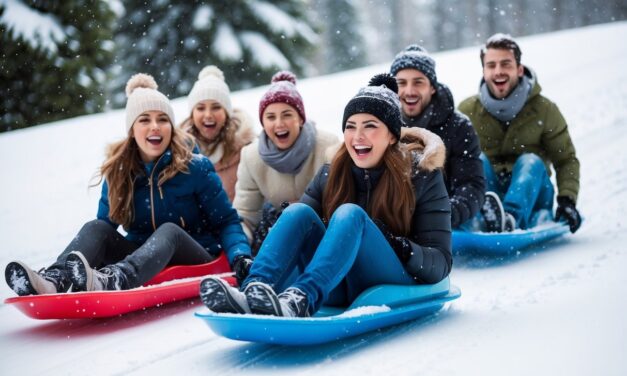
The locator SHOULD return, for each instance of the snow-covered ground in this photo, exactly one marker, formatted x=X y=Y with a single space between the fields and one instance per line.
x=556 y=310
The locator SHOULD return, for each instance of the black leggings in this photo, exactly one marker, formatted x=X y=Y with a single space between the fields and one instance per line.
x=102 y=245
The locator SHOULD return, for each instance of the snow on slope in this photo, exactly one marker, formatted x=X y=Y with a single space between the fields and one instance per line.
x=558 y=309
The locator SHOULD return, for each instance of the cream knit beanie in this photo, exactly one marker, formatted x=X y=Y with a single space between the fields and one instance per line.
x=141 y=90
x=210 y=86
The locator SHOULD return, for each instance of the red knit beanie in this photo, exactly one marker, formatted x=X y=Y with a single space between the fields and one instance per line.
x=282 y=90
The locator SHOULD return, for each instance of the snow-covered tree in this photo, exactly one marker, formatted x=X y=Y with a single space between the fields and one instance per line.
x=53 y=59
x=173 y=40
x=343 y=44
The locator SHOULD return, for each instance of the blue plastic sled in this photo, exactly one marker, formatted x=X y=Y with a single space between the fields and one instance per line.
x=504 y=243
x=375 y=308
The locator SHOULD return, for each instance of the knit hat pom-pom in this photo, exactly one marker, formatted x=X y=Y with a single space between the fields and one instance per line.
x=211 y=70
x=415 y=47
x=284 y=76
x=140 y=80
x=384 y=79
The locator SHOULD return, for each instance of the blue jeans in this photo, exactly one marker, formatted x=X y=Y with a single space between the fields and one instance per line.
x=524 y=192
x=332 y=265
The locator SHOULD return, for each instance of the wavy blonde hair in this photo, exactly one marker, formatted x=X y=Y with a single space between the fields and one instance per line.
x=123 y=165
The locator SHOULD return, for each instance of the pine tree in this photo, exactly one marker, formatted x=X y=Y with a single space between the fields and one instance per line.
x=343 y=43
x=53 y=66
x=249 y=40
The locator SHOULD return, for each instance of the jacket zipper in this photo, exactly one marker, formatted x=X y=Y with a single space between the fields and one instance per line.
x=368 y=187
x=152 y=201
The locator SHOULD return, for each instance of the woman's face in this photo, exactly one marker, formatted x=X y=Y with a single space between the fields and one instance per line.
x=367 y=138
x=152 y=131
x=282 y=124
x=209 y=117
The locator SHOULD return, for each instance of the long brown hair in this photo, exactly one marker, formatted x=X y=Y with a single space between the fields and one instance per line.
x=393 y=200
x=123 y=165
x=226 y=137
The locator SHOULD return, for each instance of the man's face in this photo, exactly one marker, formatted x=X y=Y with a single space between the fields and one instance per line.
x=414 y=90
x=500 y=71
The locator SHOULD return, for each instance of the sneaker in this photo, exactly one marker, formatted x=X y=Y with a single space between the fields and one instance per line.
x=493 y=213
x=509 y=223
x=294 y=303
x=84 y=278
x=25 y=281
x=221 y=297
x=263 y=300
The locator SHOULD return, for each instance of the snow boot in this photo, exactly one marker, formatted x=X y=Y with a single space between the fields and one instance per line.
x=25 y=281
x=263 y=300
x=221 y=297
x=493 y=213
x=84 y=278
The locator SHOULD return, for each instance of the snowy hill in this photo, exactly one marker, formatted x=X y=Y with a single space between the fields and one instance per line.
x=556 y=310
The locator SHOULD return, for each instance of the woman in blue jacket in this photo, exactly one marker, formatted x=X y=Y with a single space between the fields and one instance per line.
x=379 y=214
x=169 y=201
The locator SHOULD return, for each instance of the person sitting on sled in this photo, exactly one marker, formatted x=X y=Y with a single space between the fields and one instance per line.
x=168 y=200
x=220 y=130
x=428 y=103
x=275 y=169
x=521 y=134
x=378 y=214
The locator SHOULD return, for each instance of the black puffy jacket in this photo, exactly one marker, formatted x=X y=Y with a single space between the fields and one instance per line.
x=463 y=170
x=430 y=233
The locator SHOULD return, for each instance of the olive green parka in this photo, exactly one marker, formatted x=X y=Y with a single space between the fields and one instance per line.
x=539 y=128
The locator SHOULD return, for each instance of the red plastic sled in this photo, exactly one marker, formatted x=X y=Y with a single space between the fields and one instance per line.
x=181 y=282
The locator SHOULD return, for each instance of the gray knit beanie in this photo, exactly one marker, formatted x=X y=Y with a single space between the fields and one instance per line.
x=415 y=57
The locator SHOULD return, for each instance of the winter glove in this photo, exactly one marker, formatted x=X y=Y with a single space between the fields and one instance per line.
x=400 y=244
x=241 y=267
x=566 y=211
x=269 y=216
x=455 y=216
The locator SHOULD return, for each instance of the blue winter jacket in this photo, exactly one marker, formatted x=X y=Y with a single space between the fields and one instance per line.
x=195 y=201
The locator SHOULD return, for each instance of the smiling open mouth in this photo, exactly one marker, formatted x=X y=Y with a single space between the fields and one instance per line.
x=500 y=82
x=155 y=140
x=209 y=125
x=362 y=149
x=282 y=135
x=411 y=101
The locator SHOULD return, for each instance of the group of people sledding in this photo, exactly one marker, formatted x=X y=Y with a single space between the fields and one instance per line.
x=323 y=219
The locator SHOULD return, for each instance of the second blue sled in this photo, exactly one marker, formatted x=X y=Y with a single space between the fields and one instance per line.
x=505 y=243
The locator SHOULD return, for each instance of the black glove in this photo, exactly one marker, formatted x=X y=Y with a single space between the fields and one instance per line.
x=269 y=216
x=400 y=244
x=566 y=211
x=241 y=267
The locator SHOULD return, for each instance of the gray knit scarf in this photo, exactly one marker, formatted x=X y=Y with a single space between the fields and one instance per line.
x=507 y=108
x=288 y=161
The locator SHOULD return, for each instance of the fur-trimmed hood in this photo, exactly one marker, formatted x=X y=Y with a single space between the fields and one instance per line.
x=429 y=151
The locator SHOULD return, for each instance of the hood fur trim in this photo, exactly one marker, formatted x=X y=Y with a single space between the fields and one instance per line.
x=428 y=145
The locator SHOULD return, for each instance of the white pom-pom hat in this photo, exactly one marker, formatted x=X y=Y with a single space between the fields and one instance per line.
x=210 y=86
x=142 y=93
